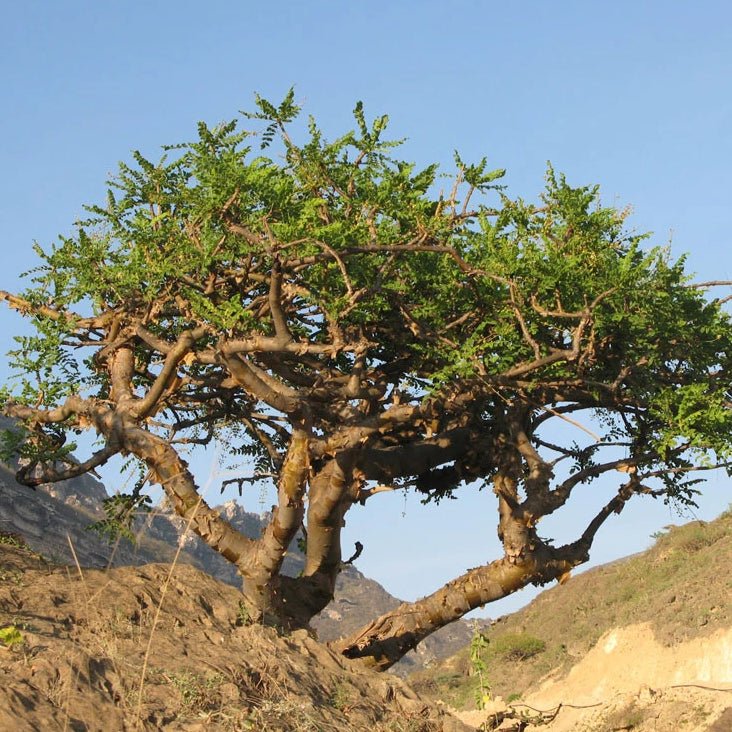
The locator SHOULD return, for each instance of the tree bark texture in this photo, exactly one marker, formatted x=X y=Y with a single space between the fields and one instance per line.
x=384 y=641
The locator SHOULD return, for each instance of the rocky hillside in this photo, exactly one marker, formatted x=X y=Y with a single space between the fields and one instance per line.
x=165 y=648
x=53 y=520
x=644 y=643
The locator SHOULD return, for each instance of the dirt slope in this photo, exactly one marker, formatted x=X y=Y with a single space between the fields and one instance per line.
x=55 y=517
x=631 y=680
x=73 y=653
x=644 y=643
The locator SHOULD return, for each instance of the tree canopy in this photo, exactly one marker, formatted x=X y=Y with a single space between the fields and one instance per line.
x=354 y=324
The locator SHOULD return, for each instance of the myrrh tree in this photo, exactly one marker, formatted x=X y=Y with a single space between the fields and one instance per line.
x=326 y=312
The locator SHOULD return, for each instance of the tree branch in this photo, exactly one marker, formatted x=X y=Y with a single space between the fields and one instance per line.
x=282 y=332
x=614 y=505
x=24 y=306
x=74 y=405
x=246 y=377
x=48 y=474
x=175 y=355
x=246 y=479
x=386 y=463
x=356 y=554
x=560 y=495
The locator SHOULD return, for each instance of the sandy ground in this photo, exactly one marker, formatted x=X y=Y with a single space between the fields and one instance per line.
x=630 y=681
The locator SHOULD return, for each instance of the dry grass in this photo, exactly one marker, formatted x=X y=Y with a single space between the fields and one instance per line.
x=91 y=636
x=156 y=618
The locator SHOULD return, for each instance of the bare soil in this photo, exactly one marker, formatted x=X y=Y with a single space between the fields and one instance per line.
x=73 y=656
x=56 y=516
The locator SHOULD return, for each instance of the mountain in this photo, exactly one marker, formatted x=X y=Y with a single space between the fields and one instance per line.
x=53 y=520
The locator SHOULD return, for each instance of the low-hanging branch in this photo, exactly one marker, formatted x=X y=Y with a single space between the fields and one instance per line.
x=34 y=474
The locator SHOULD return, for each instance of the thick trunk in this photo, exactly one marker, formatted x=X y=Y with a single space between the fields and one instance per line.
x=332 y=493
x=291 y=602
x=261 y=567
x=296 y=600
x=384 y=641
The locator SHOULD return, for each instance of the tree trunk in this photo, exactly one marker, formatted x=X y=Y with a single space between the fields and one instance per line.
x=260 y=568
x=296 y=600
x=332 y=493
x=384 y=641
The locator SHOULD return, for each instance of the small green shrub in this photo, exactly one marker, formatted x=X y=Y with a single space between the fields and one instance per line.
x=478 y=645
x=15 y=540
x=11 y=576
x=340 y=697
x=198 y=693
x=516 y=646
x=243 y=616
x=450 y=680
x=11 y=636
x=628 y=718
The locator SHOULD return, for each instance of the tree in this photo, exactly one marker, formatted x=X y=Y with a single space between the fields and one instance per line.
x=327 y=314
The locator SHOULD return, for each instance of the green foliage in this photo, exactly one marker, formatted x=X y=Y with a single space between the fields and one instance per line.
x=11 y=636
x=478 y=645
x=697 y=412
x=120 y=512
x=243 y=616
x=340 y=696
x=164 y=230
x=12 y=540
x=277 y=117
x=464 y=304
x=517 y=646
x=198 y=692
x=12 y=444
x=302 y=543
x=36 y=446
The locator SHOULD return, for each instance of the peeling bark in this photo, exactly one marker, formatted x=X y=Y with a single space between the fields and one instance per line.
x=383 y=642
x=332 y=492
x=171 y=472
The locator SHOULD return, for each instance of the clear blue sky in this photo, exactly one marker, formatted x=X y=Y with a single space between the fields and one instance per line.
x=635 y=96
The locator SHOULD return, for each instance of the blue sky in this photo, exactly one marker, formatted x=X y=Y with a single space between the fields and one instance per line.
x=634 y=96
